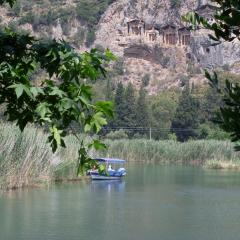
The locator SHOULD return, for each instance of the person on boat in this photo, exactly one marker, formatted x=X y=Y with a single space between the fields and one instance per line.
x=94 y=168
x=110 y=167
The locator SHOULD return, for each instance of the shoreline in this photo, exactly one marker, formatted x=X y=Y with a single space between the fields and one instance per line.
x=26 y=159
x=209 y=165
x=36 y=184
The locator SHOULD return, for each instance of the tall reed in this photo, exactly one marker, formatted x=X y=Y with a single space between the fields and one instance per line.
x=26 y=158
x=191 y=152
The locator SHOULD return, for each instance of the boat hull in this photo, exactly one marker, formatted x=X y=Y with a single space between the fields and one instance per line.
x=101 y=177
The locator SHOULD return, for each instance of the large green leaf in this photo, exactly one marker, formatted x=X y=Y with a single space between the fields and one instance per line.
x=96 y=144
x=60 y=101
x=20 y=88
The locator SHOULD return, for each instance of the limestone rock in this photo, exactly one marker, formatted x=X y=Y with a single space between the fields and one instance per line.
x=152 y=39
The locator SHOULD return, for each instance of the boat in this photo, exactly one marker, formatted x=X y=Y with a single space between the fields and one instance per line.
x=111 y=173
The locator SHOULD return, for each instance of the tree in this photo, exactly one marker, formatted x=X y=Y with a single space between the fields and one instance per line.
x=10 y=2
x=89 y=12
x=145 y=80
x=109 y=90
x=212 y=99
x=163 y=108
x=61 y=99
x=142 y=111
x=226 y=27
x=129 y=114
x=119 y=106
x=175 y=3
x=185 y=121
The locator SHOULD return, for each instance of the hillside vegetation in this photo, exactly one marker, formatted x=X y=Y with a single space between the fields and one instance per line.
x=74 y=21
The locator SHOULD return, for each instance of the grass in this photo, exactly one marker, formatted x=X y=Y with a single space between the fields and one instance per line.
x=215 y=164
x=26 y=159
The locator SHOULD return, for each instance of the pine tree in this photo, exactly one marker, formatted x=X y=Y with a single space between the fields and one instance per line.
x=119 y=106
x=142 y=113
x=129 y=107
x=109 y=91
x=210 y=106
x=186 y=119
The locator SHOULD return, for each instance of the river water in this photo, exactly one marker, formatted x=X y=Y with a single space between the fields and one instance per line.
x=153 y=202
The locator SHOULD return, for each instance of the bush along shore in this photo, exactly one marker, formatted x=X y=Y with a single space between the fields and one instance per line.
x=26 y=159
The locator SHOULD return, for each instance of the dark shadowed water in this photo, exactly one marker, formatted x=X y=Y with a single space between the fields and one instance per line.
x=153 y=202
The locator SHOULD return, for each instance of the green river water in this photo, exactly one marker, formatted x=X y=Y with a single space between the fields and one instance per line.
x=152 y=202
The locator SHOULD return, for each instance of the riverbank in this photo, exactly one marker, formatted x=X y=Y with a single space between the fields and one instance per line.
x=27 y=160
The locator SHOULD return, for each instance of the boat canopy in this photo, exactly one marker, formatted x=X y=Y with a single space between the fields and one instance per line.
x=110 y=160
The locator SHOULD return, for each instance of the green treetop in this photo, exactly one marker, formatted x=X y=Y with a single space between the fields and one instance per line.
x=119 y=105
x=186 y=119
x=142 y=114
x=129 y=106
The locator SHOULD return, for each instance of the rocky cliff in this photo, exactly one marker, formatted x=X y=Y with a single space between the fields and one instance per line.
x=148 y=36
x=152 y=39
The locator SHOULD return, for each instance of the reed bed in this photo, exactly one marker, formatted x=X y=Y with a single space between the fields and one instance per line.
x=171 y=152
x=26 y=158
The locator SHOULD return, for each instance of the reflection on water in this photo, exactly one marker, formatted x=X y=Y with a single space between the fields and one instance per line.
x=108 y=186
x=152 y=202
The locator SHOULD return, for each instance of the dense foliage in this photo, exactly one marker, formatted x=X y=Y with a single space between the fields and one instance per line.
x=186 y=118
x=172 y=114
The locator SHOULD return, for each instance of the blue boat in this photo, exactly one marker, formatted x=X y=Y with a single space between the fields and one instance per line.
x=114 y=169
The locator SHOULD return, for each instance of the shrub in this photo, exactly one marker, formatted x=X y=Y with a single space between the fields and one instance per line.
x=139 y=136
x=175 y=3
x=118 y=67
x=79 y=37
x=100 y=48
x=120 y=134
x=90 y=38
x=13 y=25
x=184 y=79
x=27 y=18
x=87 y=11
x=66 y=27
x=172 y=137
x=226 y=67
x=16 y=9
x=160 y=58
x=145 y=80
x=193 y=69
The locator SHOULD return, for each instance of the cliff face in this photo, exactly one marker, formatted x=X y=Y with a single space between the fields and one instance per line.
x=147 y=35
x=113 y=24
x=152 y=39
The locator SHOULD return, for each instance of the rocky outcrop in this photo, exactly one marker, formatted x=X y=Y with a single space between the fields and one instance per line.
x=151 y=33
